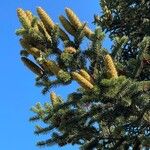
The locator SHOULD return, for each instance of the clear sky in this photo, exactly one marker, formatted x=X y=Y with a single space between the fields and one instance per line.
x=17 y=90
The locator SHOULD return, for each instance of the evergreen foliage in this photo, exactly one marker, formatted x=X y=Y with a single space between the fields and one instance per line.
x=111 y=107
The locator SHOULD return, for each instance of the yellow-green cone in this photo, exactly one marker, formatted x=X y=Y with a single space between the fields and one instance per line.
x=51 y=66
x=35 y=52
x=111 y=69
x=107 y=12
x=73 y=18
x=26 y=23
x=70 y=50
x=82 y=81
x=32 y=66
x=88 y=32
x=24 y=43
x=47 y=21
x=146 y=116
x=86 y=76
x=47 y=35
x=144 y=86
x=54 y=99
x=29 y=15
x=67 y=25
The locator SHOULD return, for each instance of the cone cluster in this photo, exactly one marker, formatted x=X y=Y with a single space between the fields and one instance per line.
x=83 y=73
x=48 y=65
x=33 y=30
x=73 y=23
x=43 y=29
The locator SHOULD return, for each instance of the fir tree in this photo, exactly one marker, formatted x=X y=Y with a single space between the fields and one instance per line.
x=115 y=85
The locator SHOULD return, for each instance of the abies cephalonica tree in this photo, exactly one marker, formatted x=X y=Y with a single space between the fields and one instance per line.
x=114 y=84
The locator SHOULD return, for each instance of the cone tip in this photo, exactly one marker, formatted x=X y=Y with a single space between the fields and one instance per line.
x=19 y=10
x=67 y=9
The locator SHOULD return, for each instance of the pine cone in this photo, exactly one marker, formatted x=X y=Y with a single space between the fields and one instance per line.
x=32 y=66
x=26 y=23
x=111 y=69
x=47 y=21
x=67 y=25
x=73 y=18
x=86 y=76
x=82 y=81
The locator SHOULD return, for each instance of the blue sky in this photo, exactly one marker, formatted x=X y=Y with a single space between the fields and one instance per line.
x=17 y=90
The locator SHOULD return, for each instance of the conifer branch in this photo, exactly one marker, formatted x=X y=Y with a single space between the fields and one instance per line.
x=108 y=111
